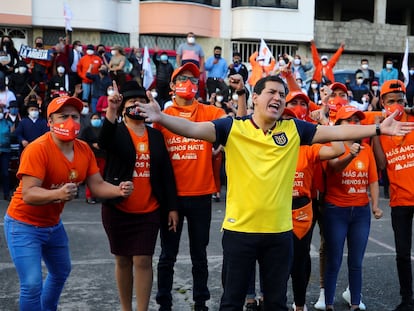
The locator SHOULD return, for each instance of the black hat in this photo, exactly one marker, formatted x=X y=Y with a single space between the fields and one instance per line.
x=32 y=103
x=13 y=103
x=90 y=47
x=132 y=89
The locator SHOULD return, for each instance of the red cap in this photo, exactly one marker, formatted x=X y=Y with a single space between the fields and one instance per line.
x=58 y=102
x=338 y=85
x=287 y=113
x=374 y=83
x=297 y=94
x=345 y=112
x=392 y=86
x=187 y=66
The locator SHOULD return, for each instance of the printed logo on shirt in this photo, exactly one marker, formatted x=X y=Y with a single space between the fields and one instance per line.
x=280 y=139
x=73 y=175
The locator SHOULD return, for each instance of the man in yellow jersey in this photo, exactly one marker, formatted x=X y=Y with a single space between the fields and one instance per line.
x=261 y=156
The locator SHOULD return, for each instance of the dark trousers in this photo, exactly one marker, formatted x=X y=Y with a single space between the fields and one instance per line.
x=402 y=221
x=197 y=211
x=274 y=253
x=215 y=83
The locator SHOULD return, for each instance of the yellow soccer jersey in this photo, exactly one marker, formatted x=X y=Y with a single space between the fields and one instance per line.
x=260 y=169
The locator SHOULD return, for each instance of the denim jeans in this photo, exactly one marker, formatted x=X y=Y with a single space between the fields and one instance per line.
x=353 y=224
x=197 y=211
x=402 y=222
x=86 y=91
x=28 y=245
x=273 y=251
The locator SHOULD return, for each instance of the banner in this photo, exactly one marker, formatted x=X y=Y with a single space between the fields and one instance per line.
x=404 y=65
x=146 y=67
x=29 y=52
x=67 y=14
x=264 y=52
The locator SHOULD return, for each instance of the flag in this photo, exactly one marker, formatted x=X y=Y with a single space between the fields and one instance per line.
x=146 y=67
x=264 y=52
x=67 y=14
x=404 y=66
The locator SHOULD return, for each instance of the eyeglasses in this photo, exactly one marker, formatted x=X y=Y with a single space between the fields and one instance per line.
x=185 y=78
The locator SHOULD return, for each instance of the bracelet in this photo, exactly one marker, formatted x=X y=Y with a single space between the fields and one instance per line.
x=241 y=92
x=377 y=129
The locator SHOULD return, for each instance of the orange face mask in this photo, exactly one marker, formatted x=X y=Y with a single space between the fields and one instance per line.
x=391 y=108
x=66 y=131
x=186 y=90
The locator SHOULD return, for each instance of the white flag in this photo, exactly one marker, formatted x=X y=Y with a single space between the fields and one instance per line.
x=264 y=52
x=67 y=14
x=404 y=66
x=146 y=67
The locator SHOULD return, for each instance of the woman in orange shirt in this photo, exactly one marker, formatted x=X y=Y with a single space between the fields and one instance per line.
x=347 y=212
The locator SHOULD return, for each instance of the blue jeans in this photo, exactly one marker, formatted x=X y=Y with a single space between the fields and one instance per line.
x=94 y=101
x=28 y=245
x=197 y=211
x=273 y=251
x=86 y=91
x=353 y=224
x=402 y=223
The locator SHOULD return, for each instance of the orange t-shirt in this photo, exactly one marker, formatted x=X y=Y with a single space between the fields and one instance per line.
x=307 y=165
x=142 y=199
x=44 y=160
x=191 y=158
x=350 y=186
x=399 y=152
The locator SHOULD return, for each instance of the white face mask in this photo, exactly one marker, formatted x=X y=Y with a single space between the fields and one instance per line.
x=364 y=66
x=282 y=63
x=79 y=48
x=324 y=63
x=219 y=98
x=110 y=92
x=85 y=110
x=34 y=114
x=359 y=81
x=411 y=72
x=154 y=94
x=89 y=52
x=375 y=88
x=1 y=115
x=191 y=40
x=296 y=61
x=60 y=69
x=113 y=52
x=314 y=86
x=22 y=69
x=388 y=66
x=234 y=97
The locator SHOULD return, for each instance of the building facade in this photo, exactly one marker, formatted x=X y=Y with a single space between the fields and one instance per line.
x=373 y=29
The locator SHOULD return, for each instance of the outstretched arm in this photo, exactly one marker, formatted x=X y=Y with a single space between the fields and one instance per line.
x=199 y=130
x=389 y=126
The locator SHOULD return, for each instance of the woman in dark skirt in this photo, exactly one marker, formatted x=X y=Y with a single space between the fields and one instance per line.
x=135 y=152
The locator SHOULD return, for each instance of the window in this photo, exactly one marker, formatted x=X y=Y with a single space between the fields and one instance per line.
x=215 y=3
x=285 y=4
x=246 y=48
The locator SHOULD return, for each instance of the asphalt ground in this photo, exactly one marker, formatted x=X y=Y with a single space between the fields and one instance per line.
x=91 y=285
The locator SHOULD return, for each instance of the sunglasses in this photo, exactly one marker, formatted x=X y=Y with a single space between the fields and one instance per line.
x=185 y=78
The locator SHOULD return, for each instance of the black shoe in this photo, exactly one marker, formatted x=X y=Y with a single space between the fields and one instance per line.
x=164 y=308
x=251 y=306
x=200 y=308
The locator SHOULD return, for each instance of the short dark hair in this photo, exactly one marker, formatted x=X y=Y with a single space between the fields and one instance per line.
x=261 y=84
x=217 y=47
x=364 y=60
x=236 y=54
x=76 y=42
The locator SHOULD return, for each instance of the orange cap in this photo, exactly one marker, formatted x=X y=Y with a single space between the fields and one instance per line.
x=338 y=85
x=297 y=94
x=58 y=102
x=187 y=66
x=392 y=86
x=345 y=112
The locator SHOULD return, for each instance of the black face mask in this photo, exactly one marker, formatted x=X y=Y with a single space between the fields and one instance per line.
x=103 y=72
x=132 y=112
x=7 y=44
x=39 y=45
x=217 y=55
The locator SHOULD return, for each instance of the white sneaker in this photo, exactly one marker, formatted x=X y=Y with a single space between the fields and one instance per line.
x=347 y=297
x=305 y=308
x=320 y=304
